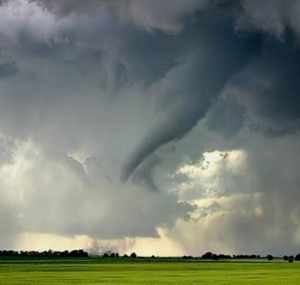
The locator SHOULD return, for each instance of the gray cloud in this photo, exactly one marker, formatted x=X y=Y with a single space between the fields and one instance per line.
x=8 y=69
x=192 y=86
x=133 y=89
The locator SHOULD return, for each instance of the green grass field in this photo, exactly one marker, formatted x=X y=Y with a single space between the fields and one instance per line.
x=97 y=271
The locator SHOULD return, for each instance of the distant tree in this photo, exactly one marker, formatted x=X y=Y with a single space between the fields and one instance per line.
x=285 y=258
x=297 y=258
x=207 y=255
x=133 y=255
x=224 y=256
x=112 y=254
x=270 y=257
x=215 y=257
x=291 y=259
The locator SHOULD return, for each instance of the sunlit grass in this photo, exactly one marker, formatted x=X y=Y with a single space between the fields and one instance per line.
x=99 y=271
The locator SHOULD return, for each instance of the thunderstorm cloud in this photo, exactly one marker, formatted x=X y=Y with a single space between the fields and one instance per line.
x=176 y=121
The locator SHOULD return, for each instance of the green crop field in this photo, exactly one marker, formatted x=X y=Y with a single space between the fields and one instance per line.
x=97 y=271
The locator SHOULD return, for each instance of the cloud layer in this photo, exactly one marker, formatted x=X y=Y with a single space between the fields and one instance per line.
x=120 y=118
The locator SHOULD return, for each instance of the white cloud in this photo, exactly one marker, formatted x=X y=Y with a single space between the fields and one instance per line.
x=22 y=16
x=212 y=174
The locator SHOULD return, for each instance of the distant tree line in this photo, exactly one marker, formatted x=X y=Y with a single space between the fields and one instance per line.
x=291 y=258
x=48 y=253
x=213 y=256
x=116 y=255
x=110 y=254
x=65 y=253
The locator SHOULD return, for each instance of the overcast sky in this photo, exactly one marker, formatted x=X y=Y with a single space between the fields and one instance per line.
x=164 y=127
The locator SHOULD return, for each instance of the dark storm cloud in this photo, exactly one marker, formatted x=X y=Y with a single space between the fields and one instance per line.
x=187 y=69
x=275 y=65
x=269 y=87
x=8 y=69
x=217 y=53
x=79 y=89
x=92 y=90
x=145 y=175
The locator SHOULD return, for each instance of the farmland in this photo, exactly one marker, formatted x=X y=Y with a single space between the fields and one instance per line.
x=146 y=271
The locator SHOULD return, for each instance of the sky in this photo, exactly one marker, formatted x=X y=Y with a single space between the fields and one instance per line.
x=161 y=127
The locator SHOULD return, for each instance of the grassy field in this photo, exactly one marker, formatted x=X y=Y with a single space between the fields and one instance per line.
x=96 y=271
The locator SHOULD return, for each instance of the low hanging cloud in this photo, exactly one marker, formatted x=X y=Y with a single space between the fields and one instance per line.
x=101 y=102
x=246 y=200
x=72 y=202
